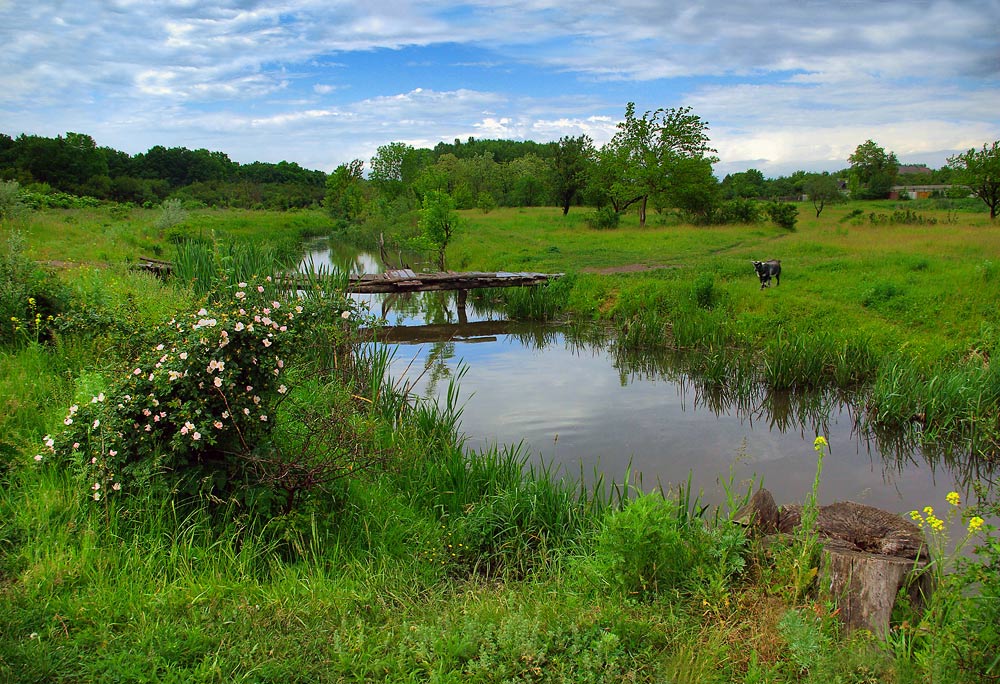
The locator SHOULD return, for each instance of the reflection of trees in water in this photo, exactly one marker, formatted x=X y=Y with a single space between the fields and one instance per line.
x=740 y=393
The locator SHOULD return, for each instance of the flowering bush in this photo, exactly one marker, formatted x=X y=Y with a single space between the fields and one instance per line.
x=195 y=406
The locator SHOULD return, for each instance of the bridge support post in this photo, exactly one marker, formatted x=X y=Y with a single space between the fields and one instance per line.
x=463 y=295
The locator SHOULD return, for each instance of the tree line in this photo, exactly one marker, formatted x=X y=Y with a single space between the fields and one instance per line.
x=660 y=160
x=74 y=164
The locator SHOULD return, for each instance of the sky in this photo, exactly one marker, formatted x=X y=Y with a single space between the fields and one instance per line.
x=783 y=84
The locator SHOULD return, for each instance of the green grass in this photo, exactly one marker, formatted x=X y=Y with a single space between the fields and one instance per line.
x=437 y=563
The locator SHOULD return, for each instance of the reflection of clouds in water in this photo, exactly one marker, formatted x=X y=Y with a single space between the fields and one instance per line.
x=513 y=393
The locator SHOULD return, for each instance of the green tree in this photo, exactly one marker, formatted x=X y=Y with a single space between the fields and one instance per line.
x=823 y=189
x=438 y=221
x=393 y=169
x=749 y=184
x=571 y=165
x=345 y=192
x=646 y=152
x=979 y=170
x=873 y=171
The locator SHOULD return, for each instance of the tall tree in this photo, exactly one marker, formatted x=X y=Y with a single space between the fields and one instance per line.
x=344 y=191
x=873 y=171
x=647 y=151
x=394 y=168
x=571 y=164
x=979 y=170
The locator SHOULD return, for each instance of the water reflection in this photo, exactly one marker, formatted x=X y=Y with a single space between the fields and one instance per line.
x=574 y=398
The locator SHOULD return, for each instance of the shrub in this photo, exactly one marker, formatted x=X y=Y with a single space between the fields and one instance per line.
x=195 y=412
x=30 y=296
x=704 y=292
x=645 y=548
x=172 y=217
x=12 y=206
x=605 y=218
x=784 y=214
x=739 y=210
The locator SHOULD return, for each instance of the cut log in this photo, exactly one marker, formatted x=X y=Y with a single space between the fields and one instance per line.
x=864 y=585
x=868 y=555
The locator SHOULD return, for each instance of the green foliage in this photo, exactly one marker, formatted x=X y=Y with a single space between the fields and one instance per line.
x=195 y=412
x=656 y=546
x=172 y=217
x=485 y=202
x=704 y=292
x=30 y=297
x=873 y=171
x=738 y=210
x=438 y=221
x=12 y=206
x=604 y=218
x=979 y=171
x=785 y=214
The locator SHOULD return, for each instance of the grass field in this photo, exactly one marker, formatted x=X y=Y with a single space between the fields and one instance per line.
x=424 y=561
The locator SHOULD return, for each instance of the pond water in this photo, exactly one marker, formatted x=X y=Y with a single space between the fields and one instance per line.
x=583 y=407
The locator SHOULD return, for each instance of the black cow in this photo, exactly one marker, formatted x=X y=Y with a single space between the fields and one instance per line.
x=766 y=270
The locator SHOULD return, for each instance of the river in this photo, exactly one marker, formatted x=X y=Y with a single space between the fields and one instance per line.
x=581 y=407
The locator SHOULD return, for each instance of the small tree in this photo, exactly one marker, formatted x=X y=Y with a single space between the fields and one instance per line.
x=438 y=221
x=822 y=190
x=979 y=170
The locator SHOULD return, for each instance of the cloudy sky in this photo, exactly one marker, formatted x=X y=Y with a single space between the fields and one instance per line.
x=783 y=84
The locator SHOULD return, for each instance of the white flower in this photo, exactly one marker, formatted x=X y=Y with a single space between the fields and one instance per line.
x=97 y=424
x=282 y=389
x=345 y=315
x=38 y=457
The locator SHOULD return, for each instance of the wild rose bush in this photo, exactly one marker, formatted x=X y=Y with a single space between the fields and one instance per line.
x=190 y=411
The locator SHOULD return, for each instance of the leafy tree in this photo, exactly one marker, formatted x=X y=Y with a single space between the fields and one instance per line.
x=645 y=153
x=823 y=189
x=530 y=180
x=344 y=191
x=438 y=221
x=873 y=171
x=749 y=184
x=979 y=170
x=571 y=164
x=393 y=169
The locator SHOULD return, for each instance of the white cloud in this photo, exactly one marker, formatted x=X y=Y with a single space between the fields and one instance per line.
x=787 y=81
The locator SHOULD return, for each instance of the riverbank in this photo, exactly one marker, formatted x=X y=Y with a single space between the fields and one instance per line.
x=429 y=562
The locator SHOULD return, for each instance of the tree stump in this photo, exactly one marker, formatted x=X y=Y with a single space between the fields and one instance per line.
x=868 y=555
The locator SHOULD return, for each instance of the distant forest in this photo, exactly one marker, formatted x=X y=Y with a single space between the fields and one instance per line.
x=497 y=172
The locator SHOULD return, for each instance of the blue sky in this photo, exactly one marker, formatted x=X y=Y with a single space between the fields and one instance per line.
x=783 y=85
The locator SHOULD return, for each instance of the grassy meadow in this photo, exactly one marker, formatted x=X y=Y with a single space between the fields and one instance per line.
x=354 y=537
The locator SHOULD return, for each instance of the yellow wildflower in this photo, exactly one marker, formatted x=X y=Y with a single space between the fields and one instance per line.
x=928 y=510
x=975 y=523
x=953 y=498
x=820 y=442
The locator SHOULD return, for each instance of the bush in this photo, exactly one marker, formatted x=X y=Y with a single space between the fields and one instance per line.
x=645 y=548
x=737 y=210
x=12 y=207
x=195 y=412
x=30 y=297
x=784 y=214
x=704 y=292
x=605 y=218
x=172 y=217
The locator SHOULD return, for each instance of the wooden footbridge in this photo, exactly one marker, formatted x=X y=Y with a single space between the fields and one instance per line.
x=406 y=280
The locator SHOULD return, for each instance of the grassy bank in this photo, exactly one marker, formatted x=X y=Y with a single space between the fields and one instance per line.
x=898 y=302
x=351 y=536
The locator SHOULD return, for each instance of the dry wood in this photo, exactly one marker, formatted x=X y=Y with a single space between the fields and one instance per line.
x=868 y=555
